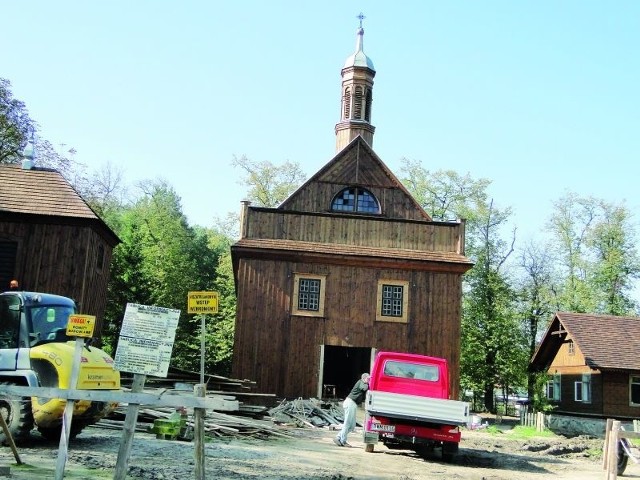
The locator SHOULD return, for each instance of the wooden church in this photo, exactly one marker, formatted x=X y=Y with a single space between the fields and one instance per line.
x=348 y=265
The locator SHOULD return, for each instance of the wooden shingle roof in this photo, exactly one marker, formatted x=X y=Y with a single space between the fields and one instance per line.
x=607 y=342
x=40 y=192
x=43 y=195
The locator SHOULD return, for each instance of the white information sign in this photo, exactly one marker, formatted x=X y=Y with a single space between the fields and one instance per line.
x=146 y=340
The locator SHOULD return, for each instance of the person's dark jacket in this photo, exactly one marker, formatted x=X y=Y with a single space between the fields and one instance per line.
x=358 y=392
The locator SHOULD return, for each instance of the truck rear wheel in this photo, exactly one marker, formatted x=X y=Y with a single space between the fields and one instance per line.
x=17 y=414
x=449 y=450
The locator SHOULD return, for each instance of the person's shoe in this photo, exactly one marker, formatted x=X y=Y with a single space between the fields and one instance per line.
x=337 y=441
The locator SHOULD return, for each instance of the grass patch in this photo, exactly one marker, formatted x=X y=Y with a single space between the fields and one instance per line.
x=524 y=433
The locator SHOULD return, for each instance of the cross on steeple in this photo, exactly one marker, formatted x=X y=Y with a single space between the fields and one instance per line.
x=361 y=17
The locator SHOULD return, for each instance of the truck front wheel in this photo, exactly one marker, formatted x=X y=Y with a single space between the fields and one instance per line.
x=17 y=414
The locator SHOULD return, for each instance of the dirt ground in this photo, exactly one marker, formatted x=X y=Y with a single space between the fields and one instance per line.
x=310 y=454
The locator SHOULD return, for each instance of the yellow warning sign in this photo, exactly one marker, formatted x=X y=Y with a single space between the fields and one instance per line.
x=202 y=302
x=81 y=326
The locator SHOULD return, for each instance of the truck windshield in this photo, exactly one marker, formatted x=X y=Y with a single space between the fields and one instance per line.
x=411 y=370
x=49 y=323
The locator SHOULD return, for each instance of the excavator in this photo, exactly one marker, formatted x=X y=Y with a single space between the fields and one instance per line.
x=35 y=351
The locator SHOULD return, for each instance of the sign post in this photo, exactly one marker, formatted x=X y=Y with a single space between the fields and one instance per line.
x=202 y=303
x=81 y=327
x=144 y=348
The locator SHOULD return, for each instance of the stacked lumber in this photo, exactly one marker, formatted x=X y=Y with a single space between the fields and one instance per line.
x=217 y=424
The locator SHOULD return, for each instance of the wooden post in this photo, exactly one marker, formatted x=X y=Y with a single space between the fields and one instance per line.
x=128 y=430
x=63 y=448
x=198 y=432
x=539 y=421
x=202 y=347
x=605 y=447
x=9 y=437
x=612 y=454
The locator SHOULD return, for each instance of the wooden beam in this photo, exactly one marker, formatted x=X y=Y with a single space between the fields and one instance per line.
x=210 y=403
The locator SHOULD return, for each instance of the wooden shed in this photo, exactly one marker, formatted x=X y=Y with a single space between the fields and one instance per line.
x=348 y=265
x=593 y=362
x=51 y=240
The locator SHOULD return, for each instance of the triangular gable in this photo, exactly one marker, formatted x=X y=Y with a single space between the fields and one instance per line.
x=356 y=164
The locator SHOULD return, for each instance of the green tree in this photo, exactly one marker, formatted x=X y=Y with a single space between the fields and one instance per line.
x=489 y=323
x=268 y=184
x=616 y=262
x=595 y=241
x=535 y=298
x=493 y=347
x=15 y=125
x=160 y=260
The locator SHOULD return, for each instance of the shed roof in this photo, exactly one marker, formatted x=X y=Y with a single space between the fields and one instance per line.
x=608 y=342
x=43 y=192
x=369 y=256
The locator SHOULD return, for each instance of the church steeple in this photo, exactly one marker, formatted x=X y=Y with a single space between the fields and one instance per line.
x=357 y=96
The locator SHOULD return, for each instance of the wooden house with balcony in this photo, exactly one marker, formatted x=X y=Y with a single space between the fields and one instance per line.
x=348 y=265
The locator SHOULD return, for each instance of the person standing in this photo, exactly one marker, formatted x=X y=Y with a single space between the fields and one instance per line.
x=350 y=405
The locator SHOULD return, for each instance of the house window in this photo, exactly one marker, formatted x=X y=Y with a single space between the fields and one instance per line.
x=353 y=199
x=393 y=299
x=308 y=295
x=582 y=389
x=571 y=347
x=634 y=390
x=553 y=388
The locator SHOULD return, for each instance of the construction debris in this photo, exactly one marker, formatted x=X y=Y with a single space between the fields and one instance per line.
x=308 y=413
x=253 y=419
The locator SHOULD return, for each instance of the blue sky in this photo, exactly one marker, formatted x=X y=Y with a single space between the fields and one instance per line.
x=539 y=97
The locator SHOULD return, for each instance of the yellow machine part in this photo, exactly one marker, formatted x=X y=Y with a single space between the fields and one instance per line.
x=96 y=373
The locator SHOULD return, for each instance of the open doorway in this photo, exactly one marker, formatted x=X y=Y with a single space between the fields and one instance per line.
x=341 y=368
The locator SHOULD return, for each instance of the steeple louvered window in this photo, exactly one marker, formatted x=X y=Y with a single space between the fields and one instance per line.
x=347 y=103
x=355 y=199
x=367 y=110
x=358 y=104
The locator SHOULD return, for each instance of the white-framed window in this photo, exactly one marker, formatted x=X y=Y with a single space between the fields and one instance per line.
x=582 y=389
x=553 y=387
x=393 y=301
x=571 y=347
x=634 y=390
x=308 y=295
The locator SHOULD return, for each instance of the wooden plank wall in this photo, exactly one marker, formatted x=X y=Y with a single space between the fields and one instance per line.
x=616 y=401
x=280 y=350
x=62 y=259
x=353 y=230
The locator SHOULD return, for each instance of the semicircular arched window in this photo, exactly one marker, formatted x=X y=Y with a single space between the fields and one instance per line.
x=355 y=199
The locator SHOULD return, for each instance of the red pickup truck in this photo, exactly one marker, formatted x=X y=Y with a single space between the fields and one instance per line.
x=408 y=406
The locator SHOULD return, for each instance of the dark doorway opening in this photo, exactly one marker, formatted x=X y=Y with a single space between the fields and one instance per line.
x=342 y=368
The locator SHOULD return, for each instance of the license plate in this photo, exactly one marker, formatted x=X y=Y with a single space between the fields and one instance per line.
x=383 y=428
